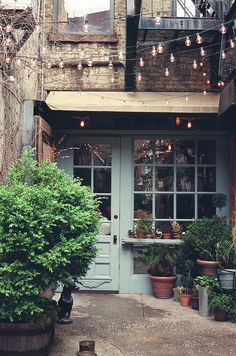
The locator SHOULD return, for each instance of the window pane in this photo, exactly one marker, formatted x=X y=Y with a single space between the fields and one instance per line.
x=164 y=206
x=138 y=267
x=164 y=151
x=206 y=179
x=143 y=152
x=73 y=15
x=185 y=206
x=102 y=155
x=105 y=206
x=102 y=180
x=205 y=206
x=206 y=152
x=84 y=174
x=164 y=178
x=185 y=179
x=142 y=203
x=185 y=152
x=142 y=178
x=83 y=155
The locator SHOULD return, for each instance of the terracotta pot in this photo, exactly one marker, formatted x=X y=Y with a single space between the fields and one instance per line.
x=149 y=236
x=194 y=302
x=220 y=315
x=163 y=286
x=176 y=236
x=185 y=299
x=140 y=234
x=208 y=268
x=167 y=235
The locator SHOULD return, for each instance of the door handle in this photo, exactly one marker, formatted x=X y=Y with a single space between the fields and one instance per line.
x=114 y=239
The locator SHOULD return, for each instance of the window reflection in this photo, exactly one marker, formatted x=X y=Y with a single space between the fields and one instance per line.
x=207 y=179
x=164 y=151
x=83 y=155
x=102 y=180
x=143 y=178
x=206 y=152
x=102 y=155
x=142 y=204
x=164 y=178
x=185 y=179
x=143 y=151
x=164 y=206
x=185 y=152
x=84 y=174
x=205 y=206
x=185 y=206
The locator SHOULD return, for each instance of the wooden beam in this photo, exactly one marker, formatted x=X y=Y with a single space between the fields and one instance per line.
x=82 y=38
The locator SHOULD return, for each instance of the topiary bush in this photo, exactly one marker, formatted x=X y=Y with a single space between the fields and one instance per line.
x=48 y=228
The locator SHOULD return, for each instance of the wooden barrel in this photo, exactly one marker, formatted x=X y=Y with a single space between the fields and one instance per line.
x=25 y=339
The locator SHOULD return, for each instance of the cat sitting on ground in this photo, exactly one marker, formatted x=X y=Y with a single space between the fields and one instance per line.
x=65 y=304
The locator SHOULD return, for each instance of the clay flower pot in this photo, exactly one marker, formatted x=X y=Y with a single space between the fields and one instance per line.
x=208 y=268
x=163 y=286
x=185 y=299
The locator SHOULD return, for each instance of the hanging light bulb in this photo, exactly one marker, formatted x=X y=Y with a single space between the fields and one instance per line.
x=201 y=64
x=110 y=65
x=139 y=77
x=169 y=147
x=167 y=72
x=124 y=102
x=167 y=102
x=220 y=84
x=82 y=123
x=202 y=52
x=186 y=98
x=102 y=99
x=141 y=62
x=158 y=19
x=223 y=55
x=208 y=81
x=199 y=38
x=195 y=65
x=90 y=62
x=172 y=58
x=79 y=66
x=8 y=28
x=204 y=74
x=61 y=64
x=189 y=124
x=154 y=51
x=86 y=26
x=231 y=43
x=188 y=42
x=11 y=78
x=49 y=65
x=120 y=55
x=204 y=92
x=177 y=121
x=160 y=48
x=223 y=29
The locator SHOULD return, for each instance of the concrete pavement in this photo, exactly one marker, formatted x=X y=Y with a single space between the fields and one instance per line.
x=141 y=325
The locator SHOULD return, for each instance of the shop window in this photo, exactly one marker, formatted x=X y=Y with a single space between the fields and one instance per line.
x=84 y=17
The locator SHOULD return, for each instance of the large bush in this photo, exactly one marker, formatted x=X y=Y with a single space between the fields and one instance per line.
x=48 y=227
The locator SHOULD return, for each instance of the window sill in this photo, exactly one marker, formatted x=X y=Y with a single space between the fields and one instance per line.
x=82 y=38
x=144 y=242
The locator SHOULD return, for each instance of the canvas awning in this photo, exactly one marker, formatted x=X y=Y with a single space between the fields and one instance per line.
x=160 y=102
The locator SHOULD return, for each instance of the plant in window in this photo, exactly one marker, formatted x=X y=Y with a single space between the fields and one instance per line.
x=176 y=228
x=144 y=225
x=166 y=230
x=219 y=200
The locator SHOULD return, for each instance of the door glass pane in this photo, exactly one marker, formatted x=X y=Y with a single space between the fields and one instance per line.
x=102 y=155
x=143 y=151
x=206 y=152
x=164 y=206
x=185 y=152
x=102 y=180
x=142 y=178
x=164 y=178
x=84 y=174
x=164 y=151
x=105 y=210
x=138 y=267
x=205 y=206
x=185 y=179
x=185 y=206
x=83 y=155
x=206 y=179
x=142 y=204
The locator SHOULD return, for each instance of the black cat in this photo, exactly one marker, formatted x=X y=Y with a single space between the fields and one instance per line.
x=65 y=303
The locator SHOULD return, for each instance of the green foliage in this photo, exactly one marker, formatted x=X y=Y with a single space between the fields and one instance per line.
x=145 y=223
x=159 y=259
x=219 y=200
x=203 y=238
x=48 y=227
x=226 y=254
x=207 y=282
x=221 y=301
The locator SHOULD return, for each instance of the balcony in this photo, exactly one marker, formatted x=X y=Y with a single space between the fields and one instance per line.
x=19 y=6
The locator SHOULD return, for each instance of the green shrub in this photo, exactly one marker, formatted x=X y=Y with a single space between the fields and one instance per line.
x=221 y=301
x=48 y=228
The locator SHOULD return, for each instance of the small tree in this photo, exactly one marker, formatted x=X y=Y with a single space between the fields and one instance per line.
x=48 y=228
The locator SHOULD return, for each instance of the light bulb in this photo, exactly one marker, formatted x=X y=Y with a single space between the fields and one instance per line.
x=231 y=43
x=169 y=147
x=139 y=76
x=186 y=98
x=158 y=19
x=204 y=92
x=141 y=62
x=201 y=64
x=167 y=73
x=112 y=79
x=110 y=65
x=102 y=99
x=204 y=74
x=82 y=54
x=11 y=78
x=7 y=41
x=195 y=65
x=61 y=64
x=177 y=121
x=8 y=28
x=82 y=123
x=199 y=39
x=154 y=51
x=223 y=29
x=124 y=102
x=86 y=26
x=90 y=62
x=120 y=55
x=208 y=81
x=79 y=66
x=188 y=42
x=189 y=124
x=49 y=65
x=202 y=51
x=160 y=48
x=167 y=102
x=172 y=58
x=223 y=55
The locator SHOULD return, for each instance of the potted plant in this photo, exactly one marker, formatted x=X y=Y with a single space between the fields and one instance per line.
x=160 y=260
x=48 y=227
x=201 y=242
x=176 y=229
x=227 y=271
x=205 y=285
x=187 y=281
x=144 y=226
x=221 y=304
x=166 y=231
x=219 y=200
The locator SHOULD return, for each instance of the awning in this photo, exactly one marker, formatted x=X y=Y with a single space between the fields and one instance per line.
x=160 y=102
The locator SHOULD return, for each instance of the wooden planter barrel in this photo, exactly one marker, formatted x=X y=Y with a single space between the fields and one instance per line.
x=25 y=339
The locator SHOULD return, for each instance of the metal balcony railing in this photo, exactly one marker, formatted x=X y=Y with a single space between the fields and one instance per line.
x=18 y=5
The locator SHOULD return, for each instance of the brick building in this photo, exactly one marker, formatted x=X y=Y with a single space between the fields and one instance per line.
x=125 y=102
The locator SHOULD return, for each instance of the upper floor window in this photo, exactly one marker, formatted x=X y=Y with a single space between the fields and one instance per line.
x=85 y=17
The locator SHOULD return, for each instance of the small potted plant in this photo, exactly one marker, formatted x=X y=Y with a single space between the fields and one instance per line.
x=187 y=281
x=158 y=233
x=160 y=260
x=205 y=285
x=176 y=229
x=166 y=231
x=221 y=304
x=144 y=226
x=227 y=271
x=131 y=233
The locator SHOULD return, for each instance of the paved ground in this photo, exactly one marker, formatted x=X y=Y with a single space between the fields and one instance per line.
x=140 y=325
